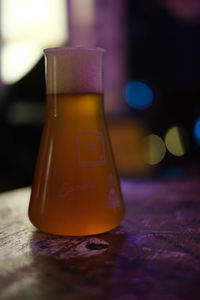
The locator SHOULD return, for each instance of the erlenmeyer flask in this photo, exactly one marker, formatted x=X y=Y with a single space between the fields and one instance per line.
x=76 y=189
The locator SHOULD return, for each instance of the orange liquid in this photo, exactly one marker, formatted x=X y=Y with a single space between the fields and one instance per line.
x=76 y=189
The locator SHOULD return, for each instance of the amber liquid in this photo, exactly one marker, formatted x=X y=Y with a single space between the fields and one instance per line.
x=76 y=189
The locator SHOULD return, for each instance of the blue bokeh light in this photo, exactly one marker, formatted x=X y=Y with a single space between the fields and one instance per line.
x=197 y=130
x=138 y=94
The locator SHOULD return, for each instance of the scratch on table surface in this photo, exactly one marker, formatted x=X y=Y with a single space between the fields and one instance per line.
x=146 y=222
x=179 y=216
x=167 y=254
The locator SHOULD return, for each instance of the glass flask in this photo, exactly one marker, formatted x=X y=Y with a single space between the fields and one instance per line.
x=76 y=189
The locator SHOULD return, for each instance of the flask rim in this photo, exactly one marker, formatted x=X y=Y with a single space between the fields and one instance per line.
x=65 y=49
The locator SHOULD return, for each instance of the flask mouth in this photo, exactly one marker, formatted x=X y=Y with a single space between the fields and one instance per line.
x=63 y=50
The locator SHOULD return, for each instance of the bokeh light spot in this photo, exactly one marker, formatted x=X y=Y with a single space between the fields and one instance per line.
x=176 y=140
x=138 y=94
x=154 y=149
x=27 y=27
x=197 y=130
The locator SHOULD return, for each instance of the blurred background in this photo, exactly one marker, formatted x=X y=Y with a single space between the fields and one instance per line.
x=152 y=80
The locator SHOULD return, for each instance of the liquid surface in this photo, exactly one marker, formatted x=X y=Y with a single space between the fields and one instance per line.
x=76 y=189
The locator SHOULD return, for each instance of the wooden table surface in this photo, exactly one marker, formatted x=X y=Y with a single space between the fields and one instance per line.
x=154 y=253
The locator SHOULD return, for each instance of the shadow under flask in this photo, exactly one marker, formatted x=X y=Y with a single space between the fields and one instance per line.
x=76 y=189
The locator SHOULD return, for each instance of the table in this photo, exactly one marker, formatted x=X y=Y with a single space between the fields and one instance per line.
x=153 y=254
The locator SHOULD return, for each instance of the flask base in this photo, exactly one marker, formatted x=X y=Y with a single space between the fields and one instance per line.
x=76 y=233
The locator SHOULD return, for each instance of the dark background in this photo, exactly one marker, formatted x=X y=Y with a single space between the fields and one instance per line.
x=162 y=49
